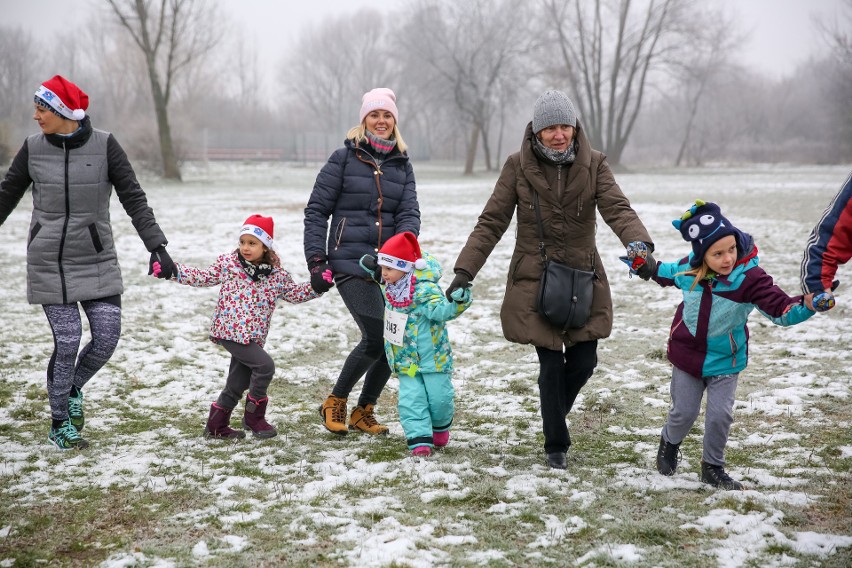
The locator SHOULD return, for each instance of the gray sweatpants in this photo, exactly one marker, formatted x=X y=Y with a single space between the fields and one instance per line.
x=687 y=392
x=251 y=370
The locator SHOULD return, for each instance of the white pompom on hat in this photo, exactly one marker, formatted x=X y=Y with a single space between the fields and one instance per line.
x=402 y=252
x=378 y=99
x=261 y=228
x=63 y=97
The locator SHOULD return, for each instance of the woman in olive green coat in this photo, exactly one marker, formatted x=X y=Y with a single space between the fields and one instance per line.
x=573 y=183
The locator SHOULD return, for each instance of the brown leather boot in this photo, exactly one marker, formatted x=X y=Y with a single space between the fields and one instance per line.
x=218 y=424
x=364 y=420
x=333 y=413
x=255 y=418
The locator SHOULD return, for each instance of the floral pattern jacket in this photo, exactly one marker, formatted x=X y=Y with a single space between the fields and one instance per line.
x=244 y=309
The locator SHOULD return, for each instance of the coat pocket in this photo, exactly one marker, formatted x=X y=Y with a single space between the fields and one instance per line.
x=33 y=232
x=96 y=238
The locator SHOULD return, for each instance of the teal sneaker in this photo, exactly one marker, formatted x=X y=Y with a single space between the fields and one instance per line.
x=75 y=411
x=66 y=437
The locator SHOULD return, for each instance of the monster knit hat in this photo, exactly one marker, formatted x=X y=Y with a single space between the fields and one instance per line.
x=63 y=98
x=378 y=99
x=259 y=227
x=702 y=225
x=553 y=107
x=402 y=252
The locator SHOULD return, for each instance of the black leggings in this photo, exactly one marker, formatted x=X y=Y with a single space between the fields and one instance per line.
x=251 y=369
x=64 y=319
x=364 y=300
x=562 y=376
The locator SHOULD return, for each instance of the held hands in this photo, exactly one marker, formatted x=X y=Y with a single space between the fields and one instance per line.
x=460 y=295
x=461 y=280
x=639 y=260
x=823 y=301
x=161 y=265
x=371 y=264
x=322 y=278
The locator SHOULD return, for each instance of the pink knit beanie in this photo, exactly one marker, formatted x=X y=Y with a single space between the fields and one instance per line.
x=378 y=99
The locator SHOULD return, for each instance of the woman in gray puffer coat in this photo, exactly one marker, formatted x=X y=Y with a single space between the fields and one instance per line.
x=572 y=183
x=367 y=192
x=71 y=257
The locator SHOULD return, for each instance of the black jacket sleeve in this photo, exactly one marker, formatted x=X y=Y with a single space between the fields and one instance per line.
x=15 y=184
x=132 y=196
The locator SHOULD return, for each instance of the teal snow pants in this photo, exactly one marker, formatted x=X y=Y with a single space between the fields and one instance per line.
x=426 y=405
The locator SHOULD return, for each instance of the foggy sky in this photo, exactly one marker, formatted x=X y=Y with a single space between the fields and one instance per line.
x=782 y=34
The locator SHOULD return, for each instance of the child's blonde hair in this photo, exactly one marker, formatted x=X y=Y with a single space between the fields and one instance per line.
x=359 y=134
x=699 y=274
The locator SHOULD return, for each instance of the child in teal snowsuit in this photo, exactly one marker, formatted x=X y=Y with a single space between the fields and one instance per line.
x=416 y=341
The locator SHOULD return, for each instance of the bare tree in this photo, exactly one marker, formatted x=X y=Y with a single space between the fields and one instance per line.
x=474 y=50
x=838 y=36
x=333 y=65
x=609 y=52
x=19 y=66
x=173 y=35
x=714 y=39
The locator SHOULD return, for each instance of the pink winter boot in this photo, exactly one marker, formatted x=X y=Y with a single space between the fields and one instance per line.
x=441 y=439
x=421 y=452
x=254 y=418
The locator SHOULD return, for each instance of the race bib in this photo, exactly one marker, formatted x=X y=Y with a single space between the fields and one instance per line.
x=394 y=326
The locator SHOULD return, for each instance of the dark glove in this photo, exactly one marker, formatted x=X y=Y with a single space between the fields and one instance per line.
x=640 y=260
x=371 y=264
x=461 y=280
x=165 y=262
x=322 y=278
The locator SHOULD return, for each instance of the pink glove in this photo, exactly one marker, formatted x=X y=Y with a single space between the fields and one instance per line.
x=326 y=275
x=157 y=269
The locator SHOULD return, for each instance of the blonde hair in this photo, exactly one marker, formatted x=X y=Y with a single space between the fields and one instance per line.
x=699 y=273
x=359 y=134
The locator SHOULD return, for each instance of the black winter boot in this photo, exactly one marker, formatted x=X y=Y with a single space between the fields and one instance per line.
x=716 y=476
x=556 y=460
x=668 y=456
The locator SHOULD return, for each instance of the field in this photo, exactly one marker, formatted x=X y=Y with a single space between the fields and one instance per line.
x=151 y=492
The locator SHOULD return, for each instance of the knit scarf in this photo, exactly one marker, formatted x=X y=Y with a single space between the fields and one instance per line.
x=401 y=292
x=255 y=272
x=558 y=157
x=381 y=146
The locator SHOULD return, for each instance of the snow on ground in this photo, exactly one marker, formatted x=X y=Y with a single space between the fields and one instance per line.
x=486 y=500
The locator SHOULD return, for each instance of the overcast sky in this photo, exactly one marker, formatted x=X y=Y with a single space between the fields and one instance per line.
x=782 y=34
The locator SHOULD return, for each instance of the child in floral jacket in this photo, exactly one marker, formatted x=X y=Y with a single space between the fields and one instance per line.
x=251 y=280
x=416 y=341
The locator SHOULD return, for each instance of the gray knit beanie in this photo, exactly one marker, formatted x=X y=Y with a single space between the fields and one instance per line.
x=553 y=107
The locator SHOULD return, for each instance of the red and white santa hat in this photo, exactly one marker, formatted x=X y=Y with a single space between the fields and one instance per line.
x=402 y=252
x=259 y=227
x=378 y=99
x=63 y=97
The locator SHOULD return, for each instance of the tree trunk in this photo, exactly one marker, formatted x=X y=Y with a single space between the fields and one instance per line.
x=171 y=170
x=471 y=151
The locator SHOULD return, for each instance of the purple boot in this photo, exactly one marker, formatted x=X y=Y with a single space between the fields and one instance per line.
x=254 y=418
x=218 y=424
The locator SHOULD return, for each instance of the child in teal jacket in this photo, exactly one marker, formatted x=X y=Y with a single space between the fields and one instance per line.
x=416 y=341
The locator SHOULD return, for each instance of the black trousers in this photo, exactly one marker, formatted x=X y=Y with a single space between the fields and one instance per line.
x=561 y=377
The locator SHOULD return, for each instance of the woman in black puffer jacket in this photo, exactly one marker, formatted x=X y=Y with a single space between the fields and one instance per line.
x=71 y=257
x=367 y=191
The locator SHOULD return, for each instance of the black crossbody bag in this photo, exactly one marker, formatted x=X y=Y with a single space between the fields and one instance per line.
x=565 y=294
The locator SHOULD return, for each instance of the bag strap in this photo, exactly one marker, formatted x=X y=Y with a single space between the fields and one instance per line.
x=541 y=250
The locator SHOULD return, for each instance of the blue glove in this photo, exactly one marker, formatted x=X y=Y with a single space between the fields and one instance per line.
x=639 y=260
x=461 y=295
x=823 y=301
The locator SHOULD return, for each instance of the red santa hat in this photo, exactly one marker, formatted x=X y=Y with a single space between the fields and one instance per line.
x=378 y=99
x=259 y=227
x=402 y=252
x=63 y=97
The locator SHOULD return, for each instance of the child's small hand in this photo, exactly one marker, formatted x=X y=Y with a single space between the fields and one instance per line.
x=461 y=295
x=640 y=260
x=821 y=302
x=156 y=269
